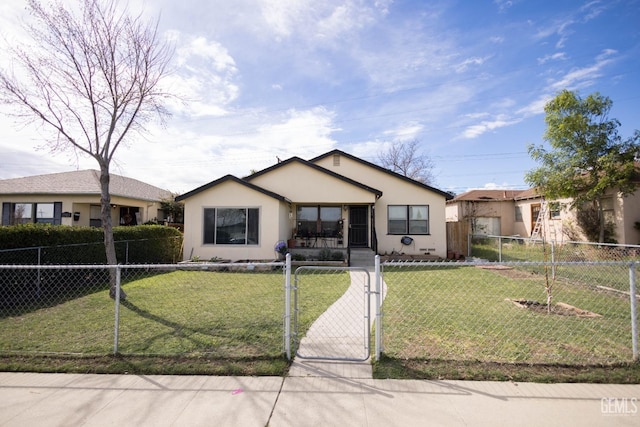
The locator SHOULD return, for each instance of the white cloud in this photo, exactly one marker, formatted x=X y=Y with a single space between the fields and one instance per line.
x=492 y=186
x=535 y=107
x=464 y=65
x=202 y=153
x=204 y=77
x=575 y=79
x=406 y=131
x=317 y=22
x=504 y=5
x=552 y=57
x=585 y=76
x=592 y=10
x=343 y=19
x=485 y=126
x=283 y=16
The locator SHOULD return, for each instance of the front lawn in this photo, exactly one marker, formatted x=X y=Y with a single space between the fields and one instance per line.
x=235 y=318
x=463 y=313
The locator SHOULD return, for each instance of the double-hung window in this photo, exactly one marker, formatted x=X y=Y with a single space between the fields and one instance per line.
x=231 y=226
x=408 y=219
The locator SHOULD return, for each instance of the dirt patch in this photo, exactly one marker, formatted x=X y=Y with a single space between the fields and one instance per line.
x=560 y=308
x=509 y=272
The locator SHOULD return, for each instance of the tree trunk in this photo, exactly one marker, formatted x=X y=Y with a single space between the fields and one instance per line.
x=107 y=226
x=601 y=221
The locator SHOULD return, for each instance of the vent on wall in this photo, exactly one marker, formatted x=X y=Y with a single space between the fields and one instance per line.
x=336 y=160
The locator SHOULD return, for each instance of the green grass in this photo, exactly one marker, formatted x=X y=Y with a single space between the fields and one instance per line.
x=462 y=314
x=439 y=323
x=613 y=276
x=224 y=318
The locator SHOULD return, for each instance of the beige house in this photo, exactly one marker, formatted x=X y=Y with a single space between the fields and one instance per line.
x=515 y=213
x=334 y=201
x=73 y=198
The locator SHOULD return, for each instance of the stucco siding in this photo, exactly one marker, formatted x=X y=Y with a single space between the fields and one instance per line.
x=233 y=195
x=82 y=204
x=630 y=207
x=303 y=184
x=397 y=191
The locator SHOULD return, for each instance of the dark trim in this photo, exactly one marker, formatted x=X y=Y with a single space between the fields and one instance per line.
x=231 y=178
x=6 y=213
x=448 y=196
x=374 y=234
x=57 y=213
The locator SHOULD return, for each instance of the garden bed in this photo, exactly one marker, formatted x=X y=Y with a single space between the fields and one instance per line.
x=560 y=308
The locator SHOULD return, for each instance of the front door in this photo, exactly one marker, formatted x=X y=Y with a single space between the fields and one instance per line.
x=358 y=226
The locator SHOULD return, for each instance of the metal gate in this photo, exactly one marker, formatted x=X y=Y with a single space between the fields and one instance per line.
x=343 y=331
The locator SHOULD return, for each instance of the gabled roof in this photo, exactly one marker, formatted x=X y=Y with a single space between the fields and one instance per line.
x=488 y=195
x=294 y=159
x=232 y=178
x=530 y=193
x=83 y=182
x=381 y=169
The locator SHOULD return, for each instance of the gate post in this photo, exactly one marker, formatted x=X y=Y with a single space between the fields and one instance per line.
x=378 y=280
x=116 y=328
x=634 y=312
x=287 y=306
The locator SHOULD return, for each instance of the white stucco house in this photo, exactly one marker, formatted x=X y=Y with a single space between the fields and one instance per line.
x=335 y=201
x=73 y=198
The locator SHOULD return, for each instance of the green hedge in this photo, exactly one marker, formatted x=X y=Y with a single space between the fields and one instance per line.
x=142 y=244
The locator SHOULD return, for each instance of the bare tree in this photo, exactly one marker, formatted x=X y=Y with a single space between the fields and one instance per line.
x=404 y=158
x=92 y=77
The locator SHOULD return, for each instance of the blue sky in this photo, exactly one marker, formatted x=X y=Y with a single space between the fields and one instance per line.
x=268 y=79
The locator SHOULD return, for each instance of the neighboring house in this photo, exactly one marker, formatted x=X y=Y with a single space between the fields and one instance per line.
x=514 y=213
x=486 y=211
x=73 y=198
x=334 y=201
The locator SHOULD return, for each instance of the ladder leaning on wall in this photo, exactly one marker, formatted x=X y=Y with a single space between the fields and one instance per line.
x=535 y=233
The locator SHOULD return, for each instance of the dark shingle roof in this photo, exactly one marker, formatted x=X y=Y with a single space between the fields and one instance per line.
x=232 y=178
x=446 y=195
x=82 y=182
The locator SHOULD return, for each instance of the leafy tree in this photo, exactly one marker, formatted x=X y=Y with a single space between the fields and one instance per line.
x=404 y=158
x=587 y=156
x=92 y=77
x=173 y=208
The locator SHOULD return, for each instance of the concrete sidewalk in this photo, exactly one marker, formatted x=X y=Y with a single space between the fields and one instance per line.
x=28 y=399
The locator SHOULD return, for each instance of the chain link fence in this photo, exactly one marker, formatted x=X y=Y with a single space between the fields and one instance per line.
x=511 y=312
x=219 y=310
x=495 y=312
x=513 y=248
x=332 y=313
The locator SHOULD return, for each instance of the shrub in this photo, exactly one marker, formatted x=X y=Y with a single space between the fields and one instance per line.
x=324 y=254
x=84 y=245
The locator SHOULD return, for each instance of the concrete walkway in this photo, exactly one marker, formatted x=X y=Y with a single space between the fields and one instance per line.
x=315 y=393
x=341 y=333
x=28 y=399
